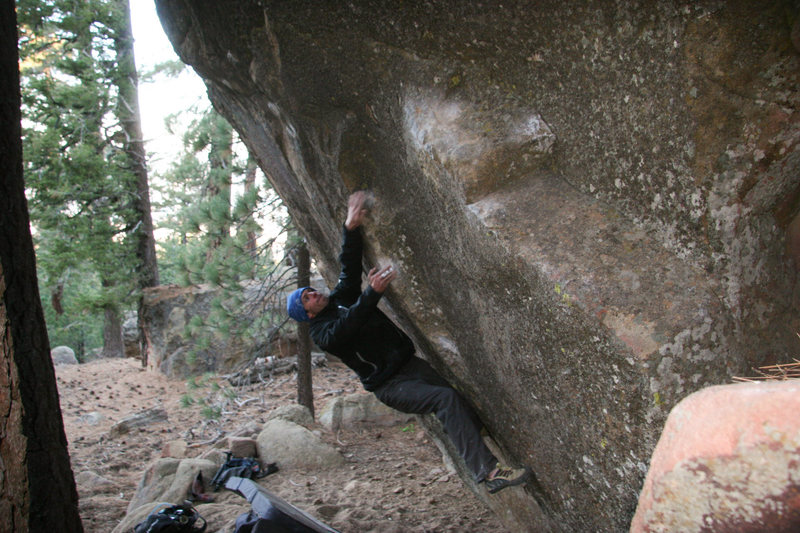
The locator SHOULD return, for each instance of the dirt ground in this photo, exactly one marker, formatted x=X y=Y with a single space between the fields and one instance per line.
x=393 y=478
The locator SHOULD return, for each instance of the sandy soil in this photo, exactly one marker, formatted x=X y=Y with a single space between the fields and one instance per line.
x=393 y=478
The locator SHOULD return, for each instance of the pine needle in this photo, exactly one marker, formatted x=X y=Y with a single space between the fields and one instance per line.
x=774 y=372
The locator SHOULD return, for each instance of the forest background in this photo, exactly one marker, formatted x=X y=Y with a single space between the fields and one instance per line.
x=89 y=182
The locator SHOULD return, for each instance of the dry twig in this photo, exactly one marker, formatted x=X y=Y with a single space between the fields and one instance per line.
x=219 y=435
x=774 y=372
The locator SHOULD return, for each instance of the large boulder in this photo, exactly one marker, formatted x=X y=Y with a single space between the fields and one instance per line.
x=591 y=204
x=156 y=481
x=175 y=351
x=170 y=480
x=293 y=446
x=728 y=460
x=179 y=348
x=63 y=355
x=130 y=335
x=294 y=413
x=359 y=408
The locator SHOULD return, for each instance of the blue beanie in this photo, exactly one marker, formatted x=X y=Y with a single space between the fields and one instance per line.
x=294 y=305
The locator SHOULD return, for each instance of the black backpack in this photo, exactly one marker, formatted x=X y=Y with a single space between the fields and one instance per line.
x=172 y=519
x=244 y=467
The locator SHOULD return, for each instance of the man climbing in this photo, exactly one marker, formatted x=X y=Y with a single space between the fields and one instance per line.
x=348 y=324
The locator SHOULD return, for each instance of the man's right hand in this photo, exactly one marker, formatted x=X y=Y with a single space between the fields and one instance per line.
x=379 y=279
x=356 y=210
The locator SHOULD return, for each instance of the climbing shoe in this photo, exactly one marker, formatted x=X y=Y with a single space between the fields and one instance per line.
x=506 y=477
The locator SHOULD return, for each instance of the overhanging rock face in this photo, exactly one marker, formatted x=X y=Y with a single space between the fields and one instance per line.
x=593 y=206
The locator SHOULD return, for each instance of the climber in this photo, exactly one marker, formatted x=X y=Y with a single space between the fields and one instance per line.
x=348 y=324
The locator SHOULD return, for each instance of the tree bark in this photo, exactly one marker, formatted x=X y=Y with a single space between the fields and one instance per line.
x=130 y=117
x=219 y=180
x=37 y=489
x=113 y=343
x=305 y=394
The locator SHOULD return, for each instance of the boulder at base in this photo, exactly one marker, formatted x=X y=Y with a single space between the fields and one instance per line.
x=156 y=480
x=728 y=460
x=345 y=411
x=293 y=446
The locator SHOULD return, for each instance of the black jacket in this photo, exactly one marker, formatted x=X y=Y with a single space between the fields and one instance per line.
x=352 y=328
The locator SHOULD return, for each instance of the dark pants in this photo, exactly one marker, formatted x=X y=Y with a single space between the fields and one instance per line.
x=416 y=388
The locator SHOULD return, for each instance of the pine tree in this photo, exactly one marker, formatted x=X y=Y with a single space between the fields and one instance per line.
x=85 y=203
x=251 y=238
x=37 y=492
x=130 y=119
x=215 y=238
x=217 y=137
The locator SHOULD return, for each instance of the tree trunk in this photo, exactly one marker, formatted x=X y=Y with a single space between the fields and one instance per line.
x=37 y=489
x=249 y=185
x=113 y=343
x=305 y=394
x=130 y=118
x=219 y=181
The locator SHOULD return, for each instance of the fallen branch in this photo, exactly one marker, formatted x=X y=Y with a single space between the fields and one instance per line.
x=245 y=402
x=267 y=366
x=140 y=419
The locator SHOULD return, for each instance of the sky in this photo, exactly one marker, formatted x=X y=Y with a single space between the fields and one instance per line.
x=164 y=96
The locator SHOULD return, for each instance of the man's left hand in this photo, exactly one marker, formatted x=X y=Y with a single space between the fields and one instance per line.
x=379 y=279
